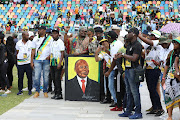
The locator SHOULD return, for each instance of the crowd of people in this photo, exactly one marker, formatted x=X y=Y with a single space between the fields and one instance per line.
x=125 y=49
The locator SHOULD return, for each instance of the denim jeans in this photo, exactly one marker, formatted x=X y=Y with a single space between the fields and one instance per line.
x=111 y=85
x=41 y=65
x=132 y=91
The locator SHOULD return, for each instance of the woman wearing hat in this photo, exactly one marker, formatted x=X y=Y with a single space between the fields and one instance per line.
x=170 y=81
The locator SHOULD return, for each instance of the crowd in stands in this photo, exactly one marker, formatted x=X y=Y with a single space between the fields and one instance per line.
x=122 y=45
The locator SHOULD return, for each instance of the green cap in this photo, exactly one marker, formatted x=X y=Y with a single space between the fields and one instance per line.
x=177 y=39
x=164 y=39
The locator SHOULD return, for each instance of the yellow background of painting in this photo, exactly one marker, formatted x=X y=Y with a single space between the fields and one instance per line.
x=93 y=67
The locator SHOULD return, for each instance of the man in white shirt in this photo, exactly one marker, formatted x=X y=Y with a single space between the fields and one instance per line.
x=41 y=55
x=56 y=58
x=23 y=48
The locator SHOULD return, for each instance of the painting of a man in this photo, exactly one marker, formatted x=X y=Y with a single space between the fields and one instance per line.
x=81 y=87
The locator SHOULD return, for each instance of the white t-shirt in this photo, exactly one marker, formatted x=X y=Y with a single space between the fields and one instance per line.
x=153 y=54
x=129 y=5
x=24 y=54
x=76 y=27
x=100 y=9
x=44 y=50
x=114 y=48
x=56 y=48
x=41 y=21
x=32 y=26
x=91 y=21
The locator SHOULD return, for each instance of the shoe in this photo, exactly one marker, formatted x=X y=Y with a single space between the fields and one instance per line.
x=159 y=113
x=45 y=95
x=20 y=93
x=49 y=90
x=116 y=109
x=29 y=93
x=136 y=116
x=105 y=101
x=33 y=90
x=2 y=91
x=7 y=92
x=152 y=112
x=58 y=97
x=36 y=94
x=125 y=114
x=113 y=104
x=53 y=92
x=53 y=97
x=150 y=109
x=25 y=89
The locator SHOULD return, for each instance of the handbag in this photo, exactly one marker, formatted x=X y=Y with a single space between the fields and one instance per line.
x=139 y=74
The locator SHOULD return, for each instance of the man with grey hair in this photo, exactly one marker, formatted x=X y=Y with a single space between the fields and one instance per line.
x=78 y=44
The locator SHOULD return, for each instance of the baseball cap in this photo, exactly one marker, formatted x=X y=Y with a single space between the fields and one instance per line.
x=98 y=29
x=156 y=33
x=103 y=41
x=49 y=30
x=30 y=34
x=177 y=39
x=55 y=30
x=42 y=27
x=112 y=35
x=145 y=32
x=134 y=30
x=164 y=39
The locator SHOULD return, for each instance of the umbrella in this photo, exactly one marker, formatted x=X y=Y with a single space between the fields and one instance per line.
x=171 y=27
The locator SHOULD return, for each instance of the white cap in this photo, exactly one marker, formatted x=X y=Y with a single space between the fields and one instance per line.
x=30 y=34
x=115 y=27
x=123 y=33
x=156 y=33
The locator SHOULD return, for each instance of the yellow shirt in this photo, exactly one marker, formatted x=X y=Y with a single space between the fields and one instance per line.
x=60 y=25
x=25 y=28
x=139 y=8
x=158 y=15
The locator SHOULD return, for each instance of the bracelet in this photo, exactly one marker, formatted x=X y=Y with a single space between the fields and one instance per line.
x=163 y=78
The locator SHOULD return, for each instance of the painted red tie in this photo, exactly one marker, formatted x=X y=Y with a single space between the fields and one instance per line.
x=83 y=85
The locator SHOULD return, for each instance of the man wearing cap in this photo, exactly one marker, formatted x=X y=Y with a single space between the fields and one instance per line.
x=152 y=57
x=56 y=57
x=114 y=48
x=78 y=43
x=132 y=57
x=100 y=54
x=41 y=55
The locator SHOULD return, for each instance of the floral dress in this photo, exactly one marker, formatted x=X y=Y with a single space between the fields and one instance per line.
x=172 y=85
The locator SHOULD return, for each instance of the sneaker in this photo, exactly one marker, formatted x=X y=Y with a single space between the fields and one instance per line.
x=125 y=114
x=159 y=113
x=150 y=109
x=36 y=94
x=116 y=109
x=25 y=89
x=33 y=90
x=20 y=93
x=7 y=92
x=2 y=91
x=136 y=116
x=29 y=93
x=152 y=112
x=45 y=95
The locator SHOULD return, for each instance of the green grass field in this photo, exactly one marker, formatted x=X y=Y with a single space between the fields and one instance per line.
x=12 y=99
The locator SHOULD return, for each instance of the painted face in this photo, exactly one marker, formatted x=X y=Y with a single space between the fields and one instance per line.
x=82 y=68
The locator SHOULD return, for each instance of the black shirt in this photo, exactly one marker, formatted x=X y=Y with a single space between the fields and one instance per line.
x=134 y=48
